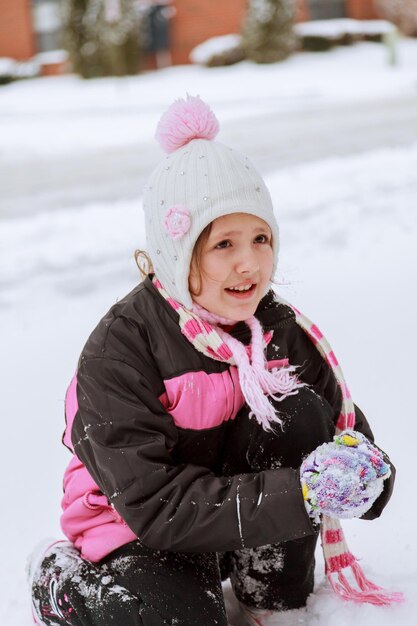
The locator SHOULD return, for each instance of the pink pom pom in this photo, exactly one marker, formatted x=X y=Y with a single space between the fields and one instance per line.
x=186 y=120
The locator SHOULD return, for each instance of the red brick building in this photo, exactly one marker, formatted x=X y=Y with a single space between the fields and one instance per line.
x=16 y=30
x=197 y=20
x=27 y=26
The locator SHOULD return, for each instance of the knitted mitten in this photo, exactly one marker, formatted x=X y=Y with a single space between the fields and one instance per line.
x=343 y=478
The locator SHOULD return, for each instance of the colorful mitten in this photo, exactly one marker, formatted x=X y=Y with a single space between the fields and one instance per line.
x=343 y=478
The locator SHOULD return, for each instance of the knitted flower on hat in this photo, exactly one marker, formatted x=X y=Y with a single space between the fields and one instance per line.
x=343 y=478
x=199 y=180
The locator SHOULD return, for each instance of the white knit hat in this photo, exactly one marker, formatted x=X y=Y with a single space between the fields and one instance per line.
x=198 y=181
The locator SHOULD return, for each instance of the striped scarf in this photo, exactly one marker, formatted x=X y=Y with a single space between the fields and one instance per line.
x=203 y=331
x=337 y=555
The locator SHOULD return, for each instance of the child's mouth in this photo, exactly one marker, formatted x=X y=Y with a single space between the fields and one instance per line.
x=242 y=291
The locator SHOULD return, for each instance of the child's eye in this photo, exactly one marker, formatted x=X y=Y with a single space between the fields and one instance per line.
x=262 y=239
x=223 y=244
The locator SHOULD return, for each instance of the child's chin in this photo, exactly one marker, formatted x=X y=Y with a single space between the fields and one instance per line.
x=241 y=314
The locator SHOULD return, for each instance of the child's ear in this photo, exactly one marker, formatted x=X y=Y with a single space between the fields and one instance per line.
x=194 y=280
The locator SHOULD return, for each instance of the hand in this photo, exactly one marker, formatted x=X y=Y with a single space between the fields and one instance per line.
x=343 y=478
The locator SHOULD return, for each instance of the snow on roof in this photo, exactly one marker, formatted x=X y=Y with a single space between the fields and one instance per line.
x=338 y=27
x=205 y=51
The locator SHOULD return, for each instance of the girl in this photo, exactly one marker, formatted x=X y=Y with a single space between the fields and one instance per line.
x=201 y=420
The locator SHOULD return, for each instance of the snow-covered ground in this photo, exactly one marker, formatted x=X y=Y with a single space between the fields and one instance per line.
x=348 y=260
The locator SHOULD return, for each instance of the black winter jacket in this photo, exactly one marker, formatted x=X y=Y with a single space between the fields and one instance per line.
x=162 y=475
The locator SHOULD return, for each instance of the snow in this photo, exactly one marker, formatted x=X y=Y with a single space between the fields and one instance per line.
x=74 y=115
x=19 y=69
x=215 y=45
x=7 y=66
x=338 y=27
x=348 y=223
x=52 y=56
x=332 y=29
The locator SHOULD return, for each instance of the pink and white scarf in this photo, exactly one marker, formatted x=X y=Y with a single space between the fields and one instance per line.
x=203 y=331
x=337 y=555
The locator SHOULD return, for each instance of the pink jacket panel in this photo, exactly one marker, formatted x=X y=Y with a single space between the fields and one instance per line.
x=188 y=397
x=71 y=408
x=88 y=520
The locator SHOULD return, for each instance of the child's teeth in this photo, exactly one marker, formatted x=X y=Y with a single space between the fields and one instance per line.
x=241 y=288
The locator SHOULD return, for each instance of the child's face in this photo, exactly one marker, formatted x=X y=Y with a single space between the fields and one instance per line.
x=235 y=266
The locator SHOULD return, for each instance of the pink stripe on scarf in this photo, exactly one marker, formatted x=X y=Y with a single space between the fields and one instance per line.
x=173 y=303
x=336 y=563
x=220 y=354
x=316 y=332
x=191 y=329
x=333 y=536
x=332 y=359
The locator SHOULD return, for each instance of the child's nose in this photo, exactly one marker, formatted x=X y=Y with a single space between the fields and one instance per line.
x=247 y=263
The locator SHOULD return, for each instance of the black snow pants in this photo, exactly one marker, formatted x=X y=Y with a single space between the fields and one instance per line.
x=137 y=586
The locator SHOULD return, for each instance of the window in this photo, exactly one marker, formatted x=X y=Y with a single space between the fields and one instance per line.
x=326 y=9
x=47 y=24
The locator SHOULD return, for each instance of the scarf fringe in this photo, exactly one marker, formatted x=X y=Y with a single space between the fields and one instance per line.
x=249 y=380
x=256 y=381
x=338 y=557
x=281 y=380
x=368 y=592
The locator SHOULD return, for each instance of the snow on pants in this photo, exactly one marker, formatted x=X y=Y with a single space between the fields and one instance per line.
x=281 y=576
x=135 y=585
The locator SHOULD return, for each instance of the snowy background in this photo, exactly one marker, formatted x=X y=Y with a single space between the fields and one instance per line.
x=336 y=137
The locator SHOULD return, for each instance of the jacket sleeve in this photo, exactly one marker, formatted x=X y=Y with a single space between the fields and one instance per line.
x=317 y=373
x=125 y=438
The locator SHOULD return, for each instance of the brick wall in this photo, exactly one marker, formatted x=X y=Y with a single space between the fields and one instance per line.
x=361 y=9
x=197 y=20
x=16 y=34
x=302 y=11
